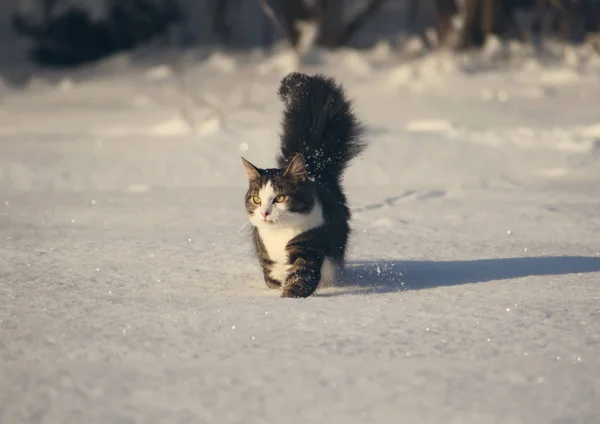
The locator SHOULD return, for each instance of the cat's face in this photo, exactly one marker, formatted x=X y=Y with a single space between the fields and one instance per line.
x=279 y=197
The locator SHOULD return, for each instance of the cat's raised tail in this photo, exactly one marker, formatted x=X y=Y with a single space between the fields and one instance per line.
x=319 y=123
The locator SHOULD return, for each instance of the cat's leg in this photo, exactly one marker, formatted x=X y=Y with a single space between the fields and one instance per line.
x=271 y=283
x=329 y=273
x=265 y=261
x=303 y=278
x=306 y=255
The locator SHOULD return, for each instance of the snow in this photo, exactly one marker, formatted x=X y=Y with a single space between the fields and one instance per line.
x=128 y=292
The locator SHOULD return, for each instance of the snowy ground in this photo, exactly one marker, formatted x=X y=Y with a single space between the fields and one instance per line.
x=128 y=292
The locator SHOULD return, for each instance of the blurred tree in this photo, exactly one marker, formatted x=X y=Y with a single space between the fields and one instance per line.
x=481 y=17
x=327 y=16
x=223 y=18
x=443 y=11
x=330 y=21
x=73 y=37
x=69 y=35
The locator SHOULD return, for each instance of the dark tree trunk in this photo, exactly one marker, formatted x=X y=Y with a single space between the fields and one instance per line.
x=329 y=14
x=292 y=12
x=482 y=17
x=472 y=33
x=359 y=21
x=221 y=24
x=443 y=11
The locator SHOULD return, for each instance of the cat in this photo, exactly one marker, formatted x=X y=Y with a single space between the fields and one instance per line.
x=298 y=211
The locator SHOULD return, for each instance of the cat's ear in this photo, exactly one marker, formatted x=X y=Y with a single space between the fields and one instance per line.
x=296 y=170
x=252 y=171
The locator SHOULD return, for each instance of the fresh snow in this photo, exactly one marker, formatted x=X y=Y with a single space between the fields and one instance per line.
x=129 y=294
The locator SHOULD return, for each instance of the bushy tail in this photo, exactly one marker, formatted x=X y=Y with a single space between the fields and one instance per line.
x=319 y=123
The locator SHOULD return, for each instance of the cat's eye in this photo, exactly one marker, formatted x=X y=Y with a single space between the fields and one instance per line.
x=256 y=199
x=280 y=198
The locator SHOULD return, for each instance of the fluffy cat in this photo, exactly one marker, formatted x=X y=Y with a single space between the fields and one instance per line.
x=298 y=211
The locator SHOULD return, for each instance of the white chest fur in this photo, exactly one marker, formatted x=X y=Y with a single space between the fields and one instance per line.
x=275 y=240
x=276 y=237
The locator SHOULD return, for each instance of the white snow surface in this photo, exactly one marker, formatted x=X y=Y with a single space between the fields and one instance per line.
x=128 y=289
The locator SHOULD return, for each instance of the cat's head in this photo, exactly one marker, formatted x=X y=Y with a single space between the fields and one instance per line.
x=279 y=197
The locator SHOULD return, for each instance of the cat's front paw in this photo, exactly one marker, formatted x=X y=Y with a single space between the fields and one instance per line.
x=272 y=284
x=296 y=291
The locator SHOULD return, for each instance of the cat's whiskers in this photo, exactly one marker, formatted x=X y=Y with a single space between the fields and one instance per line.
x=281 y=222
x=246 y=226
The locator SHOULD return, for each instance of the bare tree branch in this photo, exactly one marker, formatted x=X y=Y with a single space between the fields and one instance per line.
x=268 y=11
x=359 y=20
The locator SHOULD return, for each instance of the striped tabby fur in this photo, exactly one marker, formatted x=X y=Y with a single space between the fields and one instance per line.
x=298 y=210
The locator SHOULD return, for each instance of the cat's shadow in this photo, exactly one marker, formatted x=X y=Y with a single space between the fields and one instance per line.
x=390 y=276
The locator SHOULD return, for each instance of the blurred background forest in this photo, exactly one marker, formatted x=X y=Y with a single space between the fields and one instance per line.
x=64 y=33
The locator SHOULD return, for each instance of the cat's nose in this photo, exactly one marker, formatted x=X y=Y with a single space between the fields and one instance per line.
x=265 y=214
